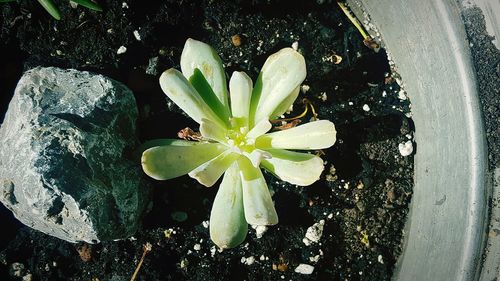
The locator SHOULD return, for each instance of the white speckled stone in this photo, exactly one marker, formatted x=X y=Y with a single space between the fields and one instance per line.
x=64 y=148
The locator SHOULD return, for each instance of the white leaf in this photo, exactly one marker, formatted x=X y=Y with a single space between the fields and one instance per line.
x=180 y=91
x=213 y=131
x=313 y=135
x=294 y=167
x=259 y=129
x=228 y=227
x=240 y=90
x=280 y=76
x=200 y=55
x=259 y=207
x=209 y=172
x=171 y=161
x=286 y=104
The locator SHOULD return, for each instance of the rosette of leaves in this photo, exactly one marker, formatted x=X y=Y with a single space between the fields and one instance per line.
x=235 y=140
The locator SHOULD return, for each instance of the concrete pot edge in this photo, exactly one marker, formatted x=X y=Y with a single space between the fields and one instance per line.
x=445 y=231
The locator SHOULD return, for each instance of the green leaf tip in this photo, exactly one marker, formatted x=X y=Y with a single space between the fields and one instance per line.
x=51 y=8
x=88 y=4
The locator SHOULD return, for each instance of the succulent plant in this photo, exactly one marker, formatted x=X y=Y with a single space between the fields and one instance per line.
x=234 y=137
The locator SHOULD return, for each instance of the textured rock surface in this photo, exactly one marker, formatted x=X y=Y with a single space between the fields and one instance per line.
x=64 y=156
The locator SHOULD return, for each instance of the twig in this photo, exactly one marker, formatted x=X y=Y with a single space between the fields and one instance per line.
x=146 y=249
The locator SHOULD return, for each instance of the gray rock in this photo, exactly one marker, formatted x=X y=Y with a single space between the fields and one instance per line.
x=65 y=148
x=152 y=68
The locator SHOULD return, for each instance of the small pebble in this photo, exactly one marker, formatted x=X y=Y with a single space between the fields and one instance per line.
x=295 y=45
x=236 y=40
x=197 y=247
x=366 y=107
x=205 y=224
x=137 y=35
x=250 y=260
x=260 y=230
x=85 y=252
x=406 y=148
x=324 y=97
x=314 y=233
x=401 y=95
x=304 y=268
x=16 y=269
x=304 y=88
x=121 y=50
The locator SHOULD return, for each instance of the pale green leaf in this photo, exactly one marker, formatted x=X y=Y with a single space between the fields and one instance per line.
x=209 y=172
x=240 y=90
x=286 y=104
x=260 y=128
x=213 y=131
x=161 y=142
x=259 y=207
x=279 y=78
x=199 y=55
x=206 y=92
x=228 y=227
x=171 y=161
x=313 y=135
x=294 y=167
x=256 y=156
x=182 y=93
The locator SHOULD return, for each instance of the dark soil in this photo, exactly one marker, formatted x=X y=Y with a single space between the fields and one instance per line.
x=486 y=58
x=362 y=197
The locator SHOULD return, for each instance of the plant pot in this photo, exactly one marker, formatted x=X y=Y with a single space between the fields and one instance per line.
x=448 y=213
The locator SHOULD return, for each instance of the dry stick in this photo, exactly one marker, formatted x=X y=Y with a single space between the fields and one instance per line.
x=354 y=21
x=146 y=249
x=307 y=104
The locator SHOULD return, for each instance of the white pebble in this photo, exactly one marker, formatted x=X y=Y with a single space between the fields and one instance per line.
x=304 y=269
x=250 y=260
x=402 y=95
x=314 y=233
x=260 y=230
x=406 y=148
x=184 y=263
x=121 y=50
x=137 y=35
x=197 y=247
x=324 y=97
x=351 y=103
x=295 y=45
x=262 y=258
x=314 y=259
x=380 y=259
x=366 y=107
x=205 y=224
x=124 y=5
x=304 y=88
